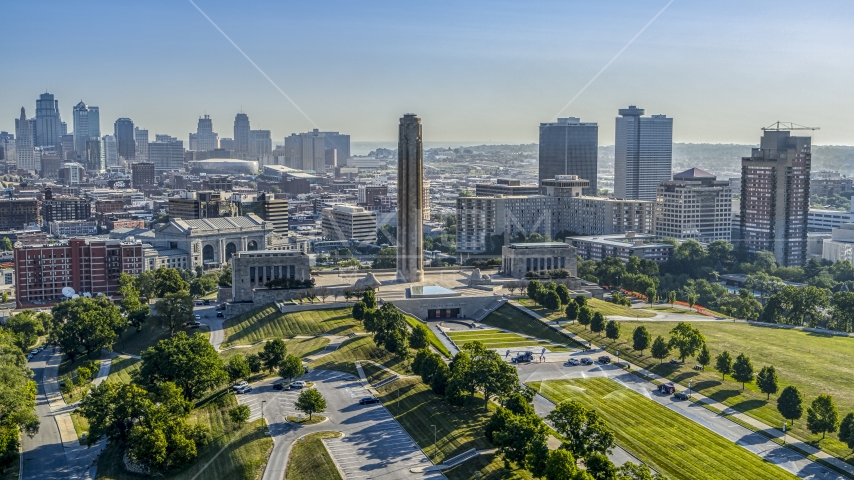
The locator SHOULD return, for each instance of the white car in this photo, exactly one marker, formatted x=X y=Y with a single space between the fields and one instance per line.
x=298 y=384
x=239 y=385
x=243 y=389
x=574 y=362
x=198 y=317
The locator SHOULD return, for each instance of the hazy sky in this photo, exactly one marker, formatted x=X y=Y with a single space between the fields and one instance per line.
x=474 y=71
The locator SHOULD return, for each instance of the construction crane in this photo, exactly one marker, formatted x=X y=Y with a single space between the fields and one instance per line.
x=788 y=126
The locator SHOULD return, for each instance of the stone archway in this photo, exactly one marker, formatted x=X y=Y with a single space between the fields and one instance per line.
x=230 y=250
x=208 y=253
x=252 y=245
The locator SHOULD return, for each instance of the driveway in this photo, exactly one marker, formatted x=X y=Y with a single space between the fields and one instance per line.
x=374 y=444
x=788 y=459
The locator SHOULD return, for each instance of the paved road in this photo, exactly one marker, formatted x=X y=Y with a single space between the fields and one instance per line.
x=756 y=443
x=374 y=445
x=209 y=318
x=44 y=455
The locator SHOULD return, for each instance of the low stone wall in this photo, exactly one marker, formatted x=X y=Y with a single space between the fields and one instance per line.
x=417 y=307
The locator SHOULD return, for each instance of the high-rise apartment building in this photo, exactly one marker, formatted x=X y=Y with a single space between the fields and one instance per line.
x=205 y=138
x=26 y=159
x=124 y=132
x=694 y=205
x=62 y=208
x=306 y=151
x=570 y=147
x=241 y=133
x=260 y=143
x=109 y=151
x=87 y=126
x=48 y=122
x=166 y=153
x=340 y=144
x=643 y=154
x=275 y=211
x=7 y=148
x=140 y=137
x=345 y=222
x=142 y=174
x=775 y=194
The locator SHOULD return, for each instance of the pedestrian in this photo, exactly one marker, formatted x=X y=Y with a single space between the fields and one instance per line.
x=507 y=355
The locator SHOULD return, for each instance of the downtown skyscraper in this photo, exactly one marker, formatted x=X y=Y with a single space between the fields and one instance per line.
x=205 y=139
x=570 y=147
x=49 y=125
x=241 y=133
x=87 y=127
x=123 y=132
x=24 y=143
x=643 y=154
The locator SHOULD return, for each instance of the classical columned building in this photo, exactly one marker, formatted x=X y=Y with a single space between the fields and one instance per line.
x=212 y=242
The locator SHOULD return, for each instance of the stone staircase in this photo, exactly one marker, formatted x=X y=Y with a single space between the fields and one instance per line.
x=483 y=312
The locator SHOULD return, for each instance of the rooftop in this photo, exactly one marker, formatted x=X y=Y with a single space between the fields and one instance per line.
x=539 y=245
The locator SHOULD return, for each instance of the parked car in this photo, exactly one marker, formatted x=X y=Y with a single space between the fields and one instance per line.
x=698 y=367
x=604 y=359
x=574 y=362
x=666 y=388
x=680 y=396
x=368 y=401
x=298 y=384
x=206 y=302
x=240 y=384
x=198 y=317
x=34 y=351
x=524 y=357
x=586 y=361
x=199 y=303
x=279 y=386
x=220 y=315
x=244 y=389
x=195 y=324
x=29 y=356
x=673 y=361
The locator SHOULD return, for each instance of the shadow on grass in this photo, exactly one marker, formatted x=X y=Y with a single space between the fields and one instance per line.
x=120 y=364
x=747 y=405
x=724 y=395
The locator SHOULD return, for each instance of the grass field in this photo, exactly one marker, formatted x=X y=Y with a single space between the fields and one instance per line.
x=683 y=311
x=68 y=374
x=359 y=348
x=309 y=459
x=498 y=339
x=81 y=426
x=431 y=337
x=669 y=442
x=511 y=318
x=815 y=363
x=122 y=369
x=267 y=322
x=606 y=308
x=300 y=347
x=375 y=374
x=234 y=452
x=133 y=342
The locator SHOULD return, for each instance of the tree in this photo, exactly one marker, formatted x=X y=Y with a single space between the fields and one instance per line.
x=174 y=309
x=660 y=349
x=535 y=290
x=612 y=330
x=516 y=436
x=254 y=361
x=583 y=430
x=7 y=244
x=561 y=465
x=130 y=304
x=563 y=292
x=166 y=280
x=189 y=362
x=766 y=380
x=291 y=368
x=90 y=324
x=225 y=276
x=692 y=300
x=571 y=311
x=273 y=354
x=846 y=430
x=240 y=414
x=310 y=401
x=790 y=403
x=671 y=297
x=599 y=467
x=635 y=471
x=597 y=323
x=822 y=416
x=842 y=313
x=27 y=328
x=704 y=358
x=581 y=300
x=551 y=300
x=742 y=370
x=686 y=339
x=641 y=339
x=359 y=310
x=385 y=258
x=418 y=337
x=5 y=297
x=723 y=364
x=585 y=316
x=650 y=295
x=489 y=373
x=369 y=299
x=237 y=368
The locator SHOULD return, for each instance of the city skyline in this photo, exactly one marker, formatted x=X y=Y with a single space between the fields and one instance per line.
x=484 y=75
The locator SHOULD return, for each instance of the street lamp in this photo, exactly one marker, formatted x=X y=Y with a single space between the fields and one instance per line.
x=690 y=382
x=262 y=408
x=435 y=446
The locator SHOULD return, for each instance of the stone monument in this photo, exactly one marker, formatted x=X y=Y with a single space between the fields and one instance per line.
x=410 y=201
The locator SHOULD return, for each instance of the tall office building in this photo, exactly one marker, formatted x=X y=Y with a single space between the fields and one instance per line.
x=166 y=153
x=48 y=123
x=241 y=133
x=643 y=154
x=142 y=174
x=93 y=161
x=775 y=197
x=125 y=138
x=260 y=143
x=26 y=159
x=7 y=148
x=306 y=151
x=695 y=204
x=205 y=138
x=338 y=142
x=140 y=137
x=570 y=147
x=87 y=126
x=110 y=151
x=410 y=200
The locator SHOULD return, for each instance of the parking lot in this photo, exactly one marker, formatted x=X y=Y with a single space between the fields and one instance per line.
x=374 y=445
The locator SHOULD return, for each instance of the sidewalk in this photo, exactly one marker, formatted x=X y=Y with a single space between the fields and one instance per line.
x=725 y=410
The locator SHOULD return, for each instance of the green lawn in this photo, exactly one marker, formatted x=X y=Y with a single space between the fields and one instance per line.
x=815 y=363
x=488 y=466
x=375 y=374
x=309 y=459
x=68 y=374
x=498 y=339
x=81 y=425
x=235 y=452
x=268 y=322
x=122 y=369
x=133 y=342
x=511 y=318
x=300 y=347
x=606 y=308
x=431 y=337
x=667 y=441
x=683 y=311
x=359 y=348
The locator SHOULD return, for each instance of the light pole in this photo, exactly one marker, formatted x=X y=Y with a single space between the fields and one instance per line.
x=262 y=408
x=690 y=382
x=436 y=447
x=784 y=433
